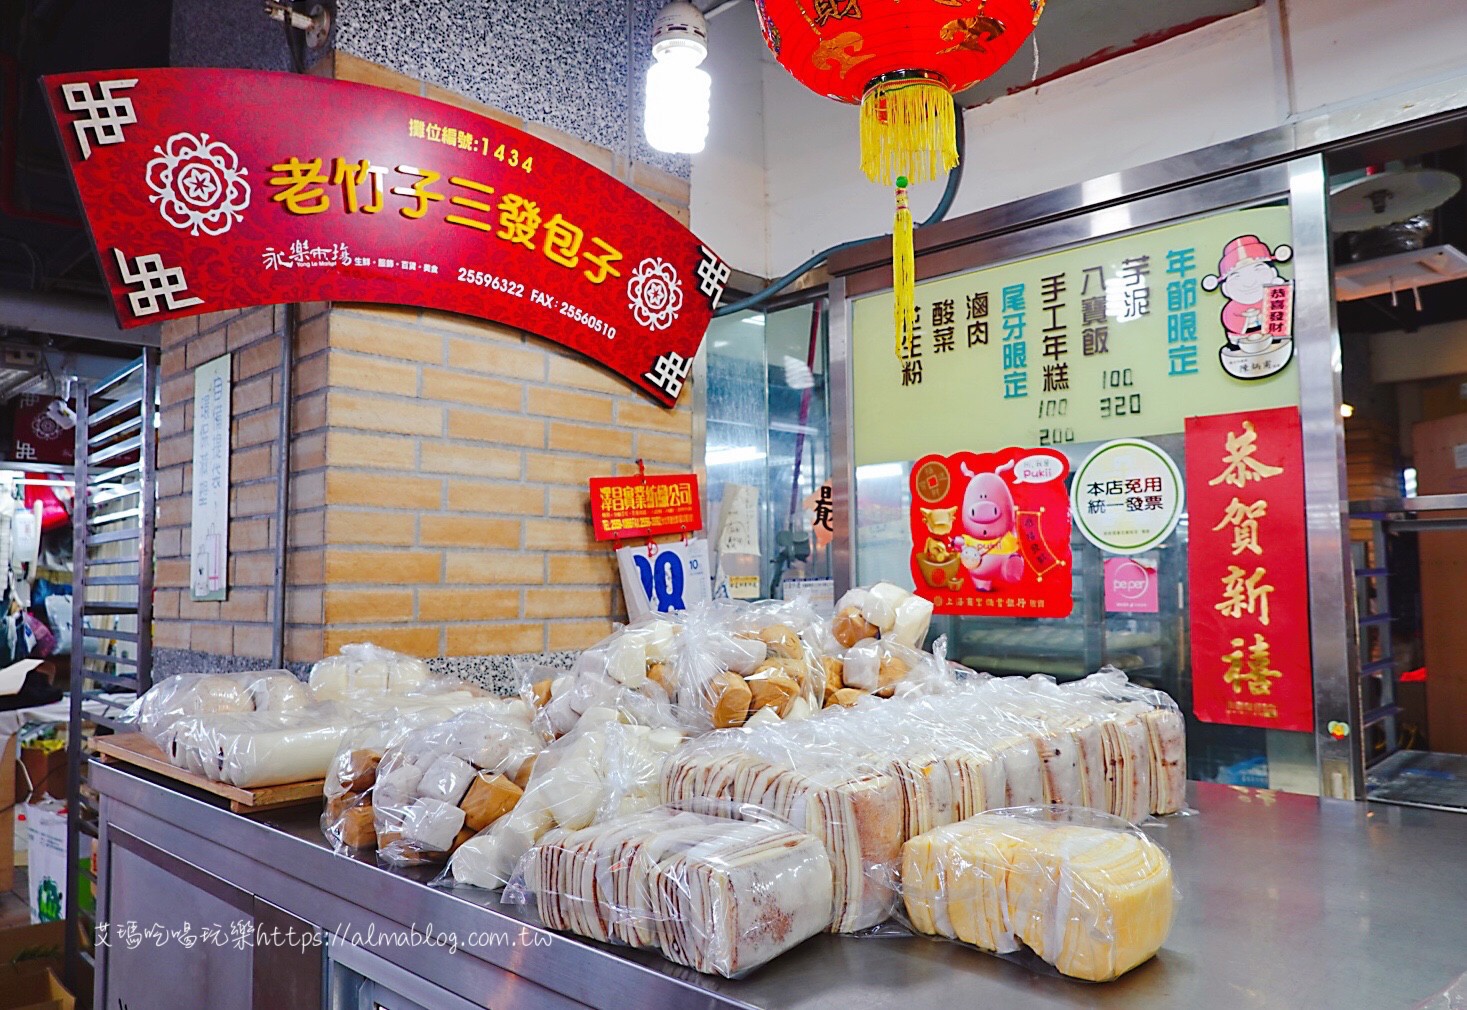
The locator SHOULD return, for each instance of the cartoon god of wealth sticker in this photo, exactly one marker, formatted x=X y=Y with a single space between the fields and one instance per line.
x=1258 y=307
x=991 y=533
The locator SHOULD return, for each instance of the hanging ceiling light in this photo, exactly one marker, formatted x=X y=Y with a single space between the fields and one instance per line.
x=678 y=89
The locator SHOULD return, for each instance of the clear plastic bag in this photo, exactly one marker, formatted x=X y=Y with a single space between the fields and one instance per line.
x=629 y=672
x=1086 y=892
x=255 y=749
x=189 y=694
x=347 y=819
x=865 y=779
x=885 y=611
x=435 y=785
x=602 y=769
x=720 y=894
x=365 y=670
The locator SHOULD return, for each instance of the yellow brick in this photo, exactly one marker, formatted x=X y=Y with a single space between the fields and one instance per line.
x=353 y=410
x=250 y=535
x=468 y=604
x=311 y=374
x=304 y=645
x=489 y=496
x=598 y=156
x=398 y=490
x=215 y=639
x=257 y=429
x=561 y=602
x=412 y=641
x=389 y=567
x=590 y=439
x=376 y=332
x=439 y=384
x=573 y=636
x=558 y=535
x=308 y=413
x=468 y=531
x=545 y=468
x=348 y=448
x=313 y=336
x=308 y=490
x=305 y=606
x=171 y=634
x=190 y=609
x=676 y=449
x=257 y=569
x=496 y=358
x=246 y=605
x=570 y=405
x=349 y=526
x=570 y=369
x=634 y=414
x=584 y=569
x=570 y=503
x=478 y=330
x=470 y=460
x=478 y=108
x=256 y=499
x=368 y=606
x=254 y=641
x=354 y=68
x=252 y=326
x=494 y=568
x=306 y=567
x=664 y=184
x=500 y=429
x=360 y=371
x=308 y=452
x=494 y=639
x=306 y=529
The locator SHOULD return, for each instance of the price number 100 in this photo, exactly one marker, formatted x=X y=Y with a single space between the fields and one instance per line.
x=1122 y=404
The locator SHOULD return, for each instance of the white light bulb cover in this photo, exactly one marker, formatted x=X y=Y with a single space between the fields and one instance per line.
x=677 y=107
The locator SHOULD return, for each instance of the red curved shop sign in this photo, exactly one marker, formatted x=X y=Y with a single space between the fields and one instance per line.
x=217 y=189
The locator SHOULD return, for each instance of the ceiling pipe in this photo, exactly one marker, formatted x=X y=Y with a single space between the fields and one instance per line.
x=70 y=317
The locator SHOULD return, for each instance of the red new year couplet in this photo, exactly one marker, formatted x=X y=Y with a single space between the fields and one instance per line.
x=991 y=533
x=645 y=506
x=1248 y=570
x=216 y=189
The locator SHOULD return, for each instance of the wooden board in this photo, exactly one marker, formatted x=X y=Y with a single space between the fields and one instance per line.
x=136 y=749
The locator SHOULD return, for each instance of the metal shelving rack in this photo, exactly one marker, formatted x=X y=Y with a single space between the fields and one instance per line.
x=112 y=595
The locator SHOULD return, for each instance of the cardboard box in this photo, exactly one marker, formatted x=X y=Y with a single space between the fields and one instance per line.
x=37 y=991
x=46 y=769
x=27 y=950
x=7 y=771
x=7 y=849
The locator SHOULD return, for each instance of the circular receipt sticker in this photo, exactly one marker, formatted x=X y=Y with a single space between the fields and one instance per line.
x=1127 y=496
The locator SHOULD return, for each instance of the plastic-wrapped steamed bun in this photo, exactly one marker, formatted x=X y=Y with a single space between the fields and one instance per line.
x=884 y=610
x=279 y=691
x=364 y=669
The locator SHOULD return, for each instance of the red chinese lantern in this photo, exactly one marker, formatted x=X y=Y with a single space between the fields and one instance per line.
x=901 y=61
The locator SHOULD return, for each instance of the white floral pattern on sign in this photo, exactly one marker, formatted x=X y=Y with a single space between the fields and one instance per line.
x=198 y=184
x=654 y=293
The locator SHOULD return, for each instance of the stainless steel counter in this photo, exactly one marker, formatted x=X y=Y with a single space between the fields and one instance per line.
x=1287 y=901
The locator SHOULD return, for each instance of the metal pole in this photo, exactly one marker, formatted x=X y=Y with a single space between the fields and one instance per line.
x=148 y=495
x=74 y=754
x=282 y=485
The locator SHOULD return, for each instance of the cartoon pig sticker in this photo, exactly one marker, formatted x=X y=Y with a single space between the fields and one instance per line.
x=990 y=547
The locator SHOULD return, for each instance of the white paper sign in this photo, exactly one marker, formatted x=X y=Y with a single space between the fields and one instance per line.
x=209 y=535
x=739 y=520
x=675 y=578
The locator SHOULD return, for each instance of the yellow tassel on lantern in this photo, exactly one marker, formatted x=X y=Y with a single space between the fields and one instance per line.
x=907 y=129
x=903 y=272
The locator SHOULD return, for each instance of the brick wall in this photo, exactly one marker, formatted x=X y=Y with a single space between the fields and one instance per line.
x=240 y=626
x=438 y=499
x=457 y=518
